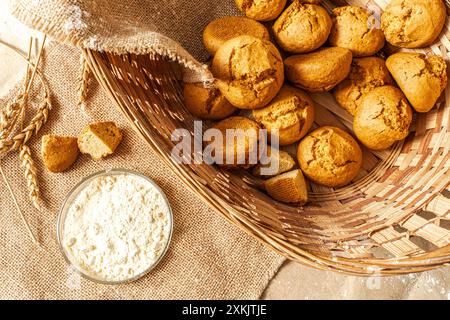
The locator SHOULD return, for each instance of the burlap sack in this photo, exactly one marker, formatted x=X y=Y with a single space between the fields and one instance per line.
x=208 y=258
x=170 y=28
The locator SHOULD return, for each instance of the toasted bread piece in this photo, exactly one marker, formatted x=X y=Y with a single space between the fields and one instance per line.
x=99 y=139
x=59 y=153
x=289 y=187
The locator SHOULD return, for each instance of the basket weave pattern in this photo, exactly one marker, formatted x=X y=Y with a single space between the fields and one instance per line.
x=394 y=218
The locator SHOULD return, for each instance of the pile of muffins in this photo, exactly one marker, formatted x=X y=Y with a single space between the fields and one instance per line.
x=263 y=79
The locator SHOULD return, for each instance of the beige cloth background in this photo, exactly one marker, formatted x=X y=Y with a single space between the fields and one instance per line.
x=208 y=257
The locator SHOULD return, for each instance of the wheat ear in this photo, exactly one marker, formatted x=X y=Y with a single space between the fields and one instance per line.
x=27 y=162
x=8 y=118
x=83 y=79
x=34 y=126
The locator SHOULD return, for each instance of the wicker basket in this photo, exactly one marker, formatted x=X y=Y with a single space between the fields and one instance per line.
x=394 y=219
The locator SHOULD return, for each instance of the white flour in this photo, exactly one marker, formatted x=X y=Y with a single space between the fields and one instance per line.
x=117 y=227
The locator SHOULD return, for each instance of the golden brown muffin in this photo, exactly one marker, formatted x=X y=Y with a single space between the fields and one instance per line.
x=59 y=153
x=206 y=103
x=273 y=163
x=289 y=187
x=330 y=156
x=354 y=29
x=365 y=75
x=261 y=10
x=221 y=30
x=302 y=28
x=291 y=113
x=99 y=139
x=413 y=23
x=383 y=118
x=240 y=150
x=421 y=79
x=249 y=72
x=319 y=71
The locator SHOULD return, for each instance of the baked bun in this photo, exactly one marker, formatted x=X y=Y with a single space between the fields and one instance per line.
x=240 y=153
x=330 y=156
x=291 y=113
x=413 y=23
x=221 y=30
x=365 y=75
x=421 y=79
x=249 y=72
x=383 y=118
x=261 y=10
x=302 y=27
x=354 y=29
x=319 y=71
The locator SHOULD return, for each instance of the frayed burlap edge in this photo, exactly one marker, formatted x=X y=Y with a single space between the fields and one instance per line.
x=195 y=71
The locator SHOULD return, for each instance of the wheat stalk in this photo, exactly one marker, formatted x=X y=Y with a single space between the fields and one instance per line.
x=8 y=144
x=16 y=109
x=83 y=79
x=24 y=99
x=27 y=162
x=13 y=196
x=41 y=117
x=8 y=118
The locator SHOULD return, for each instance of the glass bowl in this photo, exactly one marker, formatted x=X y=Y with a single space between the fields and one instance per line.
x=72 y=196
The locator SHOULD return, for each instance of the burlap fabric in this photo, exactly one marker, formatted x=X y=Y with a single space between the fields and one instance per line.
x=208 y=258
x=171 y=28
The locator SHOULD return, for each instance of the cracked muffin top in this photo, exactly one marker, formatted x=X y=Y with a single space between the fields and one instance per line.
x=302 y=27
x=365 y=75
x=330 y=156
x=221 y=30
x=249 y=72
x=421 y=79
x=355 y=29
x=319 y=71
x=261 y=10
x=413 y=23
x=383 y=118
x=291 y=113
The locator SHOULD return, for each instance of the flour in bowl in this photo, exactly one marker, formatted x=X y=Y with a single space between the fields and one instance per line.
x=117 y=227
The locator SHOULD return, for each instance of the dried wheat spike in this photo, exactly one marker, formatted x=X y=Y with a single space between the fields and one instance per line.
x=8 y=118
x=35 y=125
x=27 y=162
x=84 y=80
